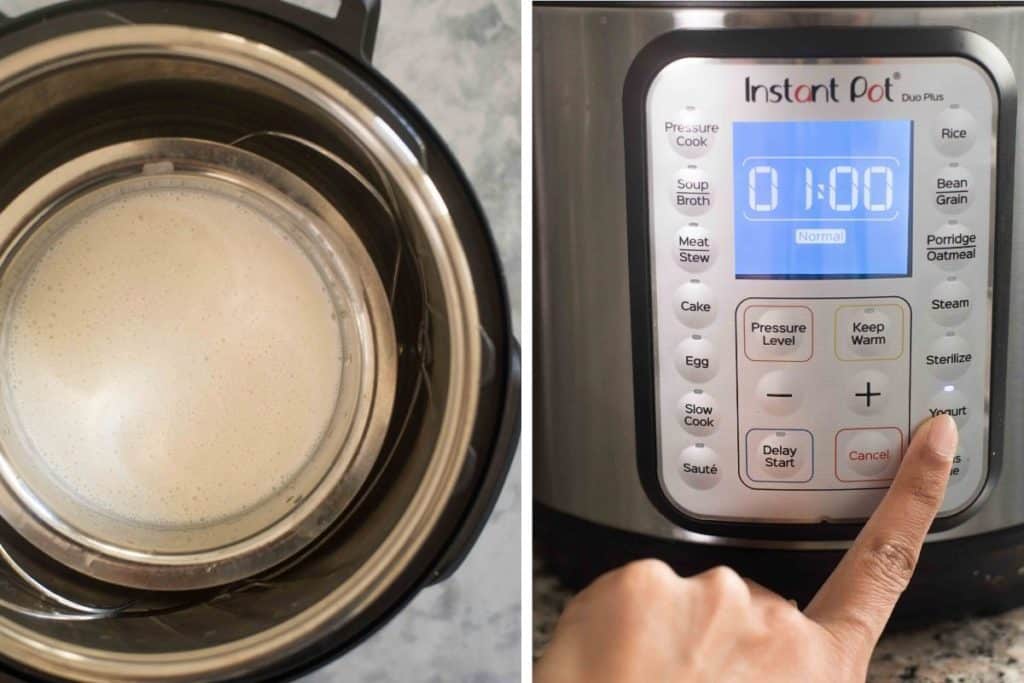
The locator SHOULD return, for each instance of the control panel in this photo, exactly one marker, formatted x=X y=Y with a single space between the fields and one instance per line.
x=821 y=237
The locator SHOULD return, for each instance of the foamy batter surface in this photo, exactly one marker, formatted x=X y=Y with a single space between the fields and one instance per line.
x=174 y=357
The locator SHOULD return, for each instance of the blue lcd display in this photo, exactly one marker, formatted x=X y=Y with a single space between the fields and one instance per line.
x=822 y=199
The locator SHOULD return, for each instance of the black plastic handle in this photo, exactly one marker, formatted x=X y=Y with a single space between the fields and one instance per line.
x=354 y=29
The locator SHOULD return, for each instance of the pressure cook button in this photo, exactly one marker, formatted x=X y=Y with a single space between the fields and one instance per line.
x=695 y=304
x=950 y=402
x=694 y=248
x=954 y=131
x=690 y=133
x=950 y=303
x=778 y=333
x=949 y=356
x=951 y=246
x=698 y=413
x=868 y=454
x=696 y=359
x=780 y=455
x=874 y=331
x=698 y=467
x=692 y=194
x=954 y=189
x=778 y=393
x=868 y=392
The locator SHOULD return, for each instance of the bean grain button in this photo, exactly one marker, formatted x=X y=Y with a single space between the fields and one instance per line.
x=953 y=189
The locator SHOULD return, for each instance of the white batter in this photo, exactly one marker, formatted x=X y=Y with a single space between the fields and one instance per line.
x=174 y=357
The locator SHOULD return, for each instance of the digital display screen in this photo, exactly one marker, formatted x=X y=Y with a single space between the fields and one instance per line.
x=822 y=199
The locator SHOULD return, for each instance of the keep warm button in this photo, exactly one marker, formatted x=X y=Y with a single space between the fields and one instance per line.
x=868 y=454
x=780 y=455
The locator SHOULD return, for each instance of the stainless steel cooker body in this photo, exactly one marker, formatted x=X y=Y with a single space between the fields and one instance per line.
x=586 y=480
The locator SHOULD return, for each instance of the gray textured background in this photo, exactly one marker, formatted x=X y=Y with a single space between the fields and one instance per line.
x=458 y=60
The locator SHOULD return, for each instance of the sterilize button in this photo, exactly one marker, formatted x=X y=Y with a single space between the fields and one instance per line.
x=874 y=331
x=954 y=131
x=949 y=356
x=868 y=392
x=950 y=303
x=778 y=393
x=695 y=304
x=698 y=413
x=783 y=333
x=950 y=402
x=694 y=248
x=692 y=193
x=868 y=454
x=690 y=133
x=780 y=455
x=696 y=359
x=699 y=467
x=951 y=246
x=953 y=188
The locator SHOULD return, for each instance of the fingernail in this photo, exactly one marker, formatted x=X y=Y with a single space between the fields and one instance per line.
x=942 y=436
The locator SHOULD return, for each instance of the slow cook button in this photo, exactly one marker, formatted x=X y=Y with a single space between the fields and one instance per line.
x=871 y=454
x=950 y=303
x=690 y=134
x=698 y=413
x=949 y=356
x=783 y=333
x=950 y=402
x=692 y=194
x=780 y=455
x=954 y=131
x=699 y=468
x=954 y=189
x=951 y=246
x=696 y=359
x=695 y=304
x=694 y=248
x=869 y=332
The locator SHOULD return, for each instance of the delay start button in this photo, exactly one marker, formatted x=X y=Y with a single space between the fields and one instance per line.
x=690 y=133
x=954 y=131
x=868 y=454
x=780 y=455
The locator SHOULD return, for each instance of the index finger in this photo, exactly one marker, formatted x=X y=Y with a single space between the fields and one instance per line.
x=858 y=598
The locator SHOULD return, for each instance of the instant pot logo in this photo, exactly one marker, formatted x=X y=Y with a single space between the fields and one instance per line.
x=859 y=89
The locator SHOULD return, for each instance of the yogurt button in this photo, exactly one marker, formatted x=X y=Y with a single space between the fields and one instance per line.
x=699 y=467
x=951 y=402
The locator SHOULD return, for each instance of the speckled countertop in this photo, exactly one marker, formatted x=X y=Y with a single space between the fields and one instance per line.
x=977 y=650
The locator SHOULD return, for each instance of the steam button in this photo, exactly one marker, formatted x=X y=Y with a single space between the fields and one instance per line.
x=954 y=131
x=699 y=468
x=690 y=133
x=950 y=303
x=692 y=193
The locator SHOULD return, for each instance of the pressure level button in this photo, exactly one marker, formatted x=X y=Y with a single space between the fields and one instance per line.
x=778 y=333
x=699 y=467
x=690 y=133
x=692 y=192
x=954 y=131
x=953 y=189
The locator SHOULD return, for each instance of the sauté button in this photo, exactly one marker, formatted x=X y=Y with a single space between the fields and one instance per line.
x=950 y=402
x=694 y=248
x=690 y=133
x=867 y=393
x=949 y=356
x=954 y=131
x=698 y=467
x=952 y=246
x=868 y=454
x=778 y=393
x=698 y=413
x=950 y=303
x=696 y=359
x=695 y=304
x=953 y=189
x=780 y=455
x=692 y=193
x=874 y=331
x=783 y=333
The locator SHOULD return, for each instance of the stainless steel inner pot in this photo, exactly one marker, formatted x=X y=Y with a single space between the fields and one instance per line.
x=156 y=103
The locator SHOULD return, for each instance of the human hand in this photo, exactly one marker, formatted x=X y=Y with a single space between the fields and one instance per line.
x=644 y=624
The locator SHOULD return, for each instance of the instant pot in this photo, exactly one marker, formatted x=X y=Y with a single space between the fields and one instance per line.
x=275 y=109
x=771 y=240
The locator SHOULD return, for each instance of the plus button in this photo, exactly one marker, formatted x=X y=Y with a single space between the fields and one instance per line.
x=867 y=394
